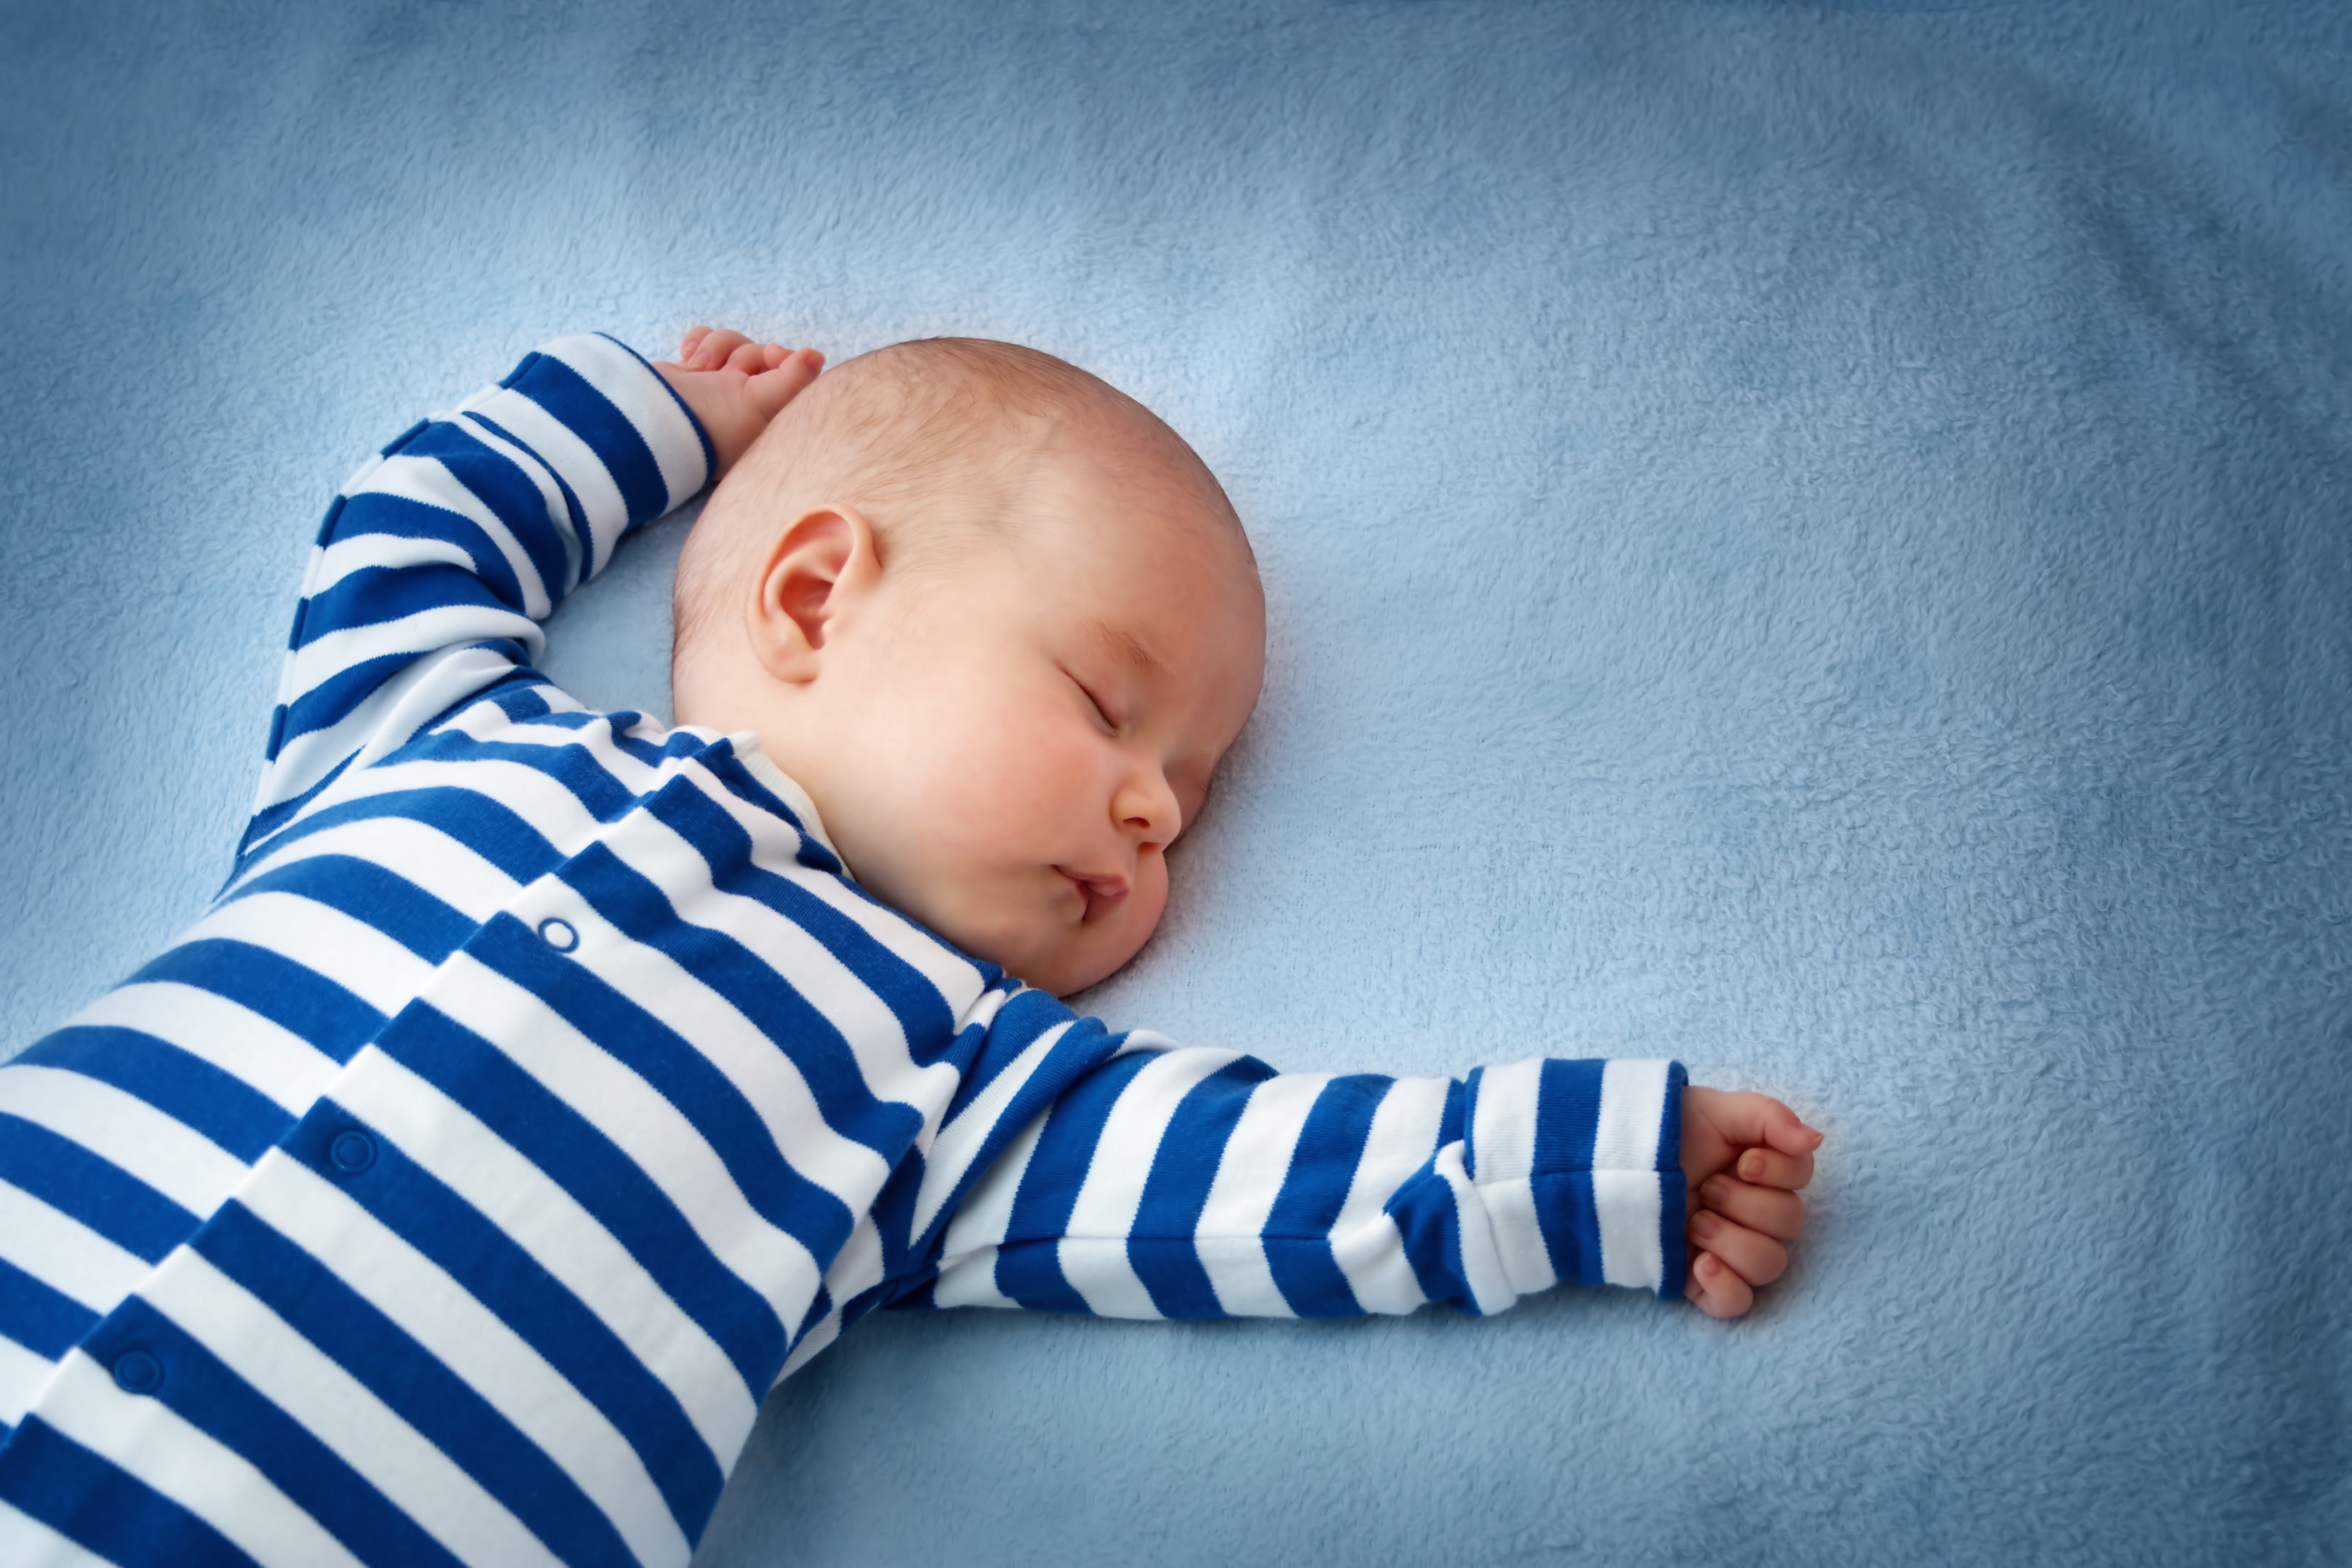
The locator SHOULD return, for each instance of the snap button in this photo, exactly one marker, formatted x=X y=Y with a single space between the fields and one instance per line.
x=136 y=1372
x=353 y=1151
x=559 y=934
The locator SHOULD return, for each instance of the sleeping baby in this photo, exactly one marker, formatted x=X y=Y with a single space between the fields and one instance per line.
x=546 y=1084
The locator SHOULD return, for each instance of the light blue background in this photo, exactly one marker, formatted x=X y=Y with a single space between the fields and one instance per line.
x=1815 y=539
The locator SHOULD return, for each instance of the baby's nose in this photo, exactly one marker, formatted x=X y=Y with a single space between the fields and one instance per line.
x=1147 y=808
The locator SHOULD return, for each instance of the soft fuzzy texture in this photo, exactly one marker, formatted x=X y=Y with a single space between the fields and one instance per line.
x=1813 y=539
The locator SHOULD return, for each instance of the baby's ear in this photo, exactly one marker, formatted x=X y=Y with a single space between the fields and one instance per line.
x=817 y=570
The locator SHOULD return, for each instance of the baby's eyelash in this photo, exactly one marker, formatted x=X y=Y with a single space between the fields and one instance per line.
x=1101 y=711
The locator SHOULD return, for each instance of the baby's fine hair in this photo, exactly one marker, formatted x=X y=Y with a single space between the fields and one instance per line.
x=932 y=440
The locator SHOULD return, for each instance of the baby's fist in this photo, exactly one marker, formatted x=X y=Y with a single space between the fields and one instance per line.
x=736 y=386
x=1745 y=1157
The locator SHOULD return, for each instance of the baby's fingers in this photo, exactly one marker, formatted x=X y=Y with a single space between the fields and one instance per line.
x=1714 y=1289
x=1785 y=1131
x=711 y=353
x=1770 y=1167
x=1747 y=1120
x=1757 y=1259
x=755 y=358
x=1777 y=1214
x=773 y=388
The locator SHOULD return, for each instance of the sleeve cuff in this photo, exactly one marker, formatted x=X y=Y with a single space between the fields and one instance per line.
x=1673 y=1188
x=677 y=452
x=618 y=441
x=1580 y=1164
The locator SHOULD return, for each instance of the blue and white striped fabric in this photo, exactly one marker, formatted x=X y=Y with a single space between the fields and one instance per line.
x=542 y=1089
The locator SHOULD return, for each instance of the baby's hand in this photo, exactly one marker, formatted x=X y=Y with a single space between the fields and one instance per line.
x=1746 y=1157
x=735 y=386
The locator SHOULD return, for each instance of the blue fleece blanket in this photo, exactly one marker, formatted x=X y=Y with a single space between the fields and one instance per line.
x=1809 y=538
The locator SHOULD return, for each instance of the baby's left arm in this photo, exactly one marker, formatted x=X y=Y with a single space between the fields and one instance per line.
x=1148 y=1179
x=1165 y=1181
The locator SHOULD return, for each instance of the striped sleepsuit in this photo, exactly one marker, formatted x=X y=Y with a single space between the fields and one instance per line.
x=542 y=1089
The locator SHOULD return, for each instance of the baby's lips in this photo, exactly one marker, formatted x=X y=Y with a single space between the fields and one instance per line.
x=1100 y=892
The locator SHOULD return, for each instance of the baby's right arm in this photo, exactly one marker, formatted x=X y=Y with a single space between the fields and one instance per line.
x=439 y=557
x=437 y=560
x=736 y=386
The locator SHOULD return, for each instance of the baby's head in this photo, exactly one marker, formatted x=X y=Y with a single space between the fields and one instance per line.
x=999 y=621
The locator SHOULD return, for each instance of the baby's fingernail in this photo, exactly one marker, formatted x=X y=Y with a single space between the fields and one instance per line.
x=1705 y=1225
x=1714 y=1191
x=1751 y=1165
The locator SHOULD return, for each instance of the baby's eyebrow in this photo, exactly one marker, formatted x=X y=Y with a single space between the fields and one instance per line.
x=1123 y=646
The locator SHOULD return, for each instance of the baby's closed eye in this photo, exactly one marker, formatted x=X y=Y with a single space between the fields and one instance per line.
x=1102 y=709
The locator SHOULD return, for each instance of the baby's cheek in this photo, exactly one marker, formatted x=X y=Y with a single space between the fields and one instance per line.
x=1151 y=878
x=1015 y=788
x=1149 y=902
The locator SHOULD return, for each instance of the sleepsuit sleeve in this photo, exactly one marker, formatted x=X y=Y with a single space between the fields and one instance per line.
x=440 y=555
x=1165 y=1181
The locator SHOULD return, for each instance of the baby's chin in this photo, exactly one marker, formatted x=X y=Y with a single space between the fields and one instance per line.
x=1056 y=959
x=1045 y=948
x=1087 y=955
x=1053 y=962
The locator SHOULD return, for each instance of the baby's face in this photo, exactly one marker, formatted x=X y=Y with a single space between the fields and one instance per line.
x=1004 y=742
